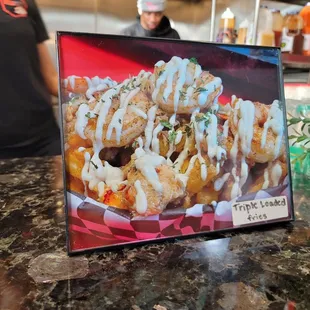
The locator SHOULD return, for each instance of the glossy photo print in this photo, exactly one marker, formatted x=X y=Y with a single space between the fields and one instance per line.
x=167 y=138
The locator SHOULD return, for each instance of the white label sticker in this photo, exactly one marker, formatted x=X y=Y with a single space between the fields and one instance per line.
x=262 y=210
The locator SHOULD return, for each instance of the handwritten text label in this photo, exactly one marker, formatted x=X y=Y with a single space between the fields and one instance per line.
x=248 y=212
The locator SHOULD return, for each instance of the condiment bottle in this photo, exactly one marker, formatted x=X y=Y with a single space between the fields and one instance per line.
x=292 y=35
x=227 y=20
x=305 y=15
x=227 y=26
x=243 y=32
x=293 y=28
x=277 y=26
x=266 y=35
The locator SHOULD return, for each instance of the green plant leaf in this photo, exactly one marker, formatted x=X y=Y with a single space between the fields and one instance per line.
x=299 y=159
x=294 y=120
x=302 y=138
x=292 y=137
x=296 y=132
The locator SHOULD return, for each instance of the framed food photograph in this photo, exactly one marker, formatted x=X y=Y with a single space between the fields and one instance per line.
x=170 y=138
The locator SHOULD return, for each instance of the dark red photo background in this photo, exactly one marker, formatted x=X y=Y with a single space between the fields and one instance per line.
x=119 y=57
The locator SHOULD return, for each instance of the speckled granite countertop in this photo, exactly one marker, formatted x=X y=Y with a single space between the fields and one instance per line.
x=261 y=269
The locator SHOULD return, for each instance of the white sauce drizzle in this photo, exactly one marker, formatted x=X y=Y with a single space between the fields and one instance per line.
x=214 y=150
x=225 y=129
x=275 y=122
x=178 y=66
x=93 y=171
x=71 y=80
x=98 y=84
x=172 y=122
x=81 y=120
x=81 y=149
x=191 y=165
x=113 y=176
x=147 y=165
x=266 y=176
x=214 y=204
x=244 y=116
x=199 y=128
x=149 y=127
x=235 y=191
x=182 y=156
x=141 y=200
x=118 y=117
x=101 y=188
x=219 y=183
x=276 y=174
x=155 y=140
x=246 y=125
x=210 y=88
x=244 y=172
x=137 y=111
x=193 y=84
x=178 y=137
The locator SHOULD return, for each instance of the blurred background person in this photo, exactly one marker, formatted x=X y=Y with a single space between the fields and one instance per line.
x=151 y=21
x=27 y=80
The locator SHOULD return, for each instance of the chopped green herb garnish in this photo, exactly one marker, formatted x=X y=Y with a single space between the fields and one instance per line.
x=94 y=164
x=194 y=60
x=182 y=95
x=200 y=90
x=119 y=120
x=203 y=118
x=126 y=87
x=174 y=164
x=172 y=136
x=161 y=72
x=102 y=101
x=166 y=124
x=188 y=130
x=91 y=115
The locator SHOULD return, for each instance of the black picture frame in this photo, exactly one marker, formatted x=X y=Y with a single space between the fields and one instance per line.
x=257 y=52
